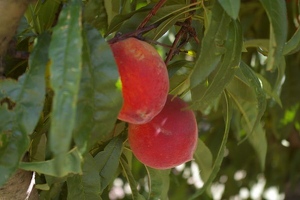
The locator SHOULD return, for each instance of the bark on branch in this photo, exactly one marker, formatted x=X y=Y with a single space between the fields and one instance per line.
x=11 y=13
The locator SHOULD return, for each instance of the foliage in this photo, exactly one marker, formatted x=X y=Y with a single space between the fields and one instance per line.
x=235 y=62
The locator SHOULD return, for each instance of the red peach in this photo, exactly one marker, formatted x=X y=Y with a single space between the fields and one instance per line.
x=169 y=139
x=144 y=78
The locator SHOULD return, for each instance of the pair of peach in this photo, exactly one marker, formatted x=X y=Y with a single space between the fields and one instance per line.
x=162 y=133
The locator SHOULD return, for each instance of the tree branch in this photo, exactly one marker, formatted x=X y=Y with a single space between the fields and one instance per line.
x=152 y=13
x=11 y=13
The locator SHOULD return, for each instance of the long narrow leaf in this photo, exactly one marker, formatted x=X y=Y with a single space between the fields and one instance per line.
x=259 y=92
x=107 y=161
x=213 y=45
x=232 y=7
x=204 y=159
x=276 y=11
x=293 y=45
x=203 y=96
x=71 y=163
x=217 y=164
x=87 y=185
x=251 y=109
x=159 y=182
x=21 y=106
x=132 y=182
x=65 y=54
x=96 y=8
x=99 y=99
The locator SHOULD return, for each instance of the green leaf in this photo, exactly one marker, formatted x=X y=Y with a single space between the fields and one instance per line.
x=227 y=106
x=65 y=54
x=163 y=27
x=232 y=7
x=71 y=164
x=174 y=67
x=276 y=11
x=251 y=108
x=127 y=171
x=293 y=45
x=87 y=185
x=99 y=100
x=255 y=83
x=95 y=14
x=179 y=83
x=257 y=43
x=159 y=182
x=257 y=135
x=179 y=76
x=38 y=148
x=107 y=161
x=281 y=75
x=204 y=159
x=239 y=87
x=268 y=89
x=42 y=14
x=205 y=94
x=165 y=17
x=212 y=46
x=169 y=11
x=120 y=19
x=55 y=188
x=21 y=106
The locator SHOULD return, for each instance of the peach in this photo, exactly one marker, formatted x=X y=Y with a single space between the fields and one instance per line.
x=144 y=78
x=169 y=139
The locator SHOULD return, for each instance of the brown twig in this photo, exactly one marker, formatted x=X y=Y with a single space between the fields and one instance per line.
x=151 y=13
x=158 y=43
x=171 y=52
x=184 y=34
x=137 y=33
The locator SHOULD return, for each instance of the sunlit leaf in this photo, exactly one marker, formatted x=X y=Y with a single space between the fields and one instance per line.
x=289 y=114
x=65 y=54
x=21 y=106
